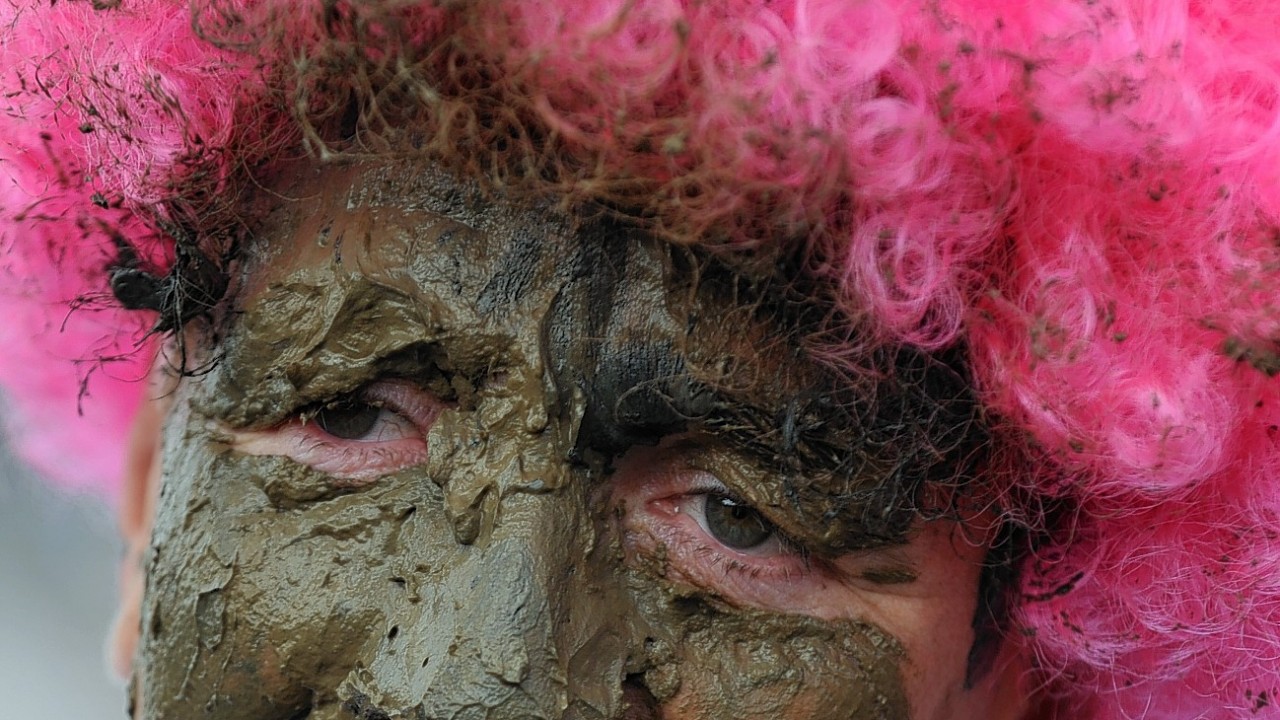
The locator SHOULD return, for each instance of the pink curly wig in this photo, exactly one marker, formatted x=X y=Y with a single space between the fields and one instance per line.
x=1083 y=195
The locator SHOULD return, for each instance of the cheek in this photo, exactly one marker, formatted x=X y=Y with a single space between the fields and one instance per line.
x=933 y=619
x=249 y=609
x=711 y=661
x=823 y=647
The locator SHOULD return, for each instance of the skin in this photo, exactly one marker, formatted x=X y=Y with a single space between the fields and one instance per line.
x=524 y=534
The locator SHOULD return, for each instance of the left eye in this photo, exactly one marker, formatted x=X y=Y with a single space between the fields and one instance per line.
x=375 y=431
x=735 y=524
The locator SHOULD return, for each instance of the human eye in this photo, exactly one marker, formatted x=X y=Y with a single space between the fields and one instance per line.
x=733 y=523
x=354 y=437
x=685 y=521
x=707 y=536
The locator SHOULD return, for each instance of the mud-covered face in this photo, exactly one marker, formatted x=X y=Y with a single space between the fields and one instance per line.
x=462 y=461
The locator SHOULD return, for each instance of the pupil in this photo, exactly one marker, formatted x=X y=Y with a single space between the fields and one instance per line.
x=348 y=420
x=735 y=525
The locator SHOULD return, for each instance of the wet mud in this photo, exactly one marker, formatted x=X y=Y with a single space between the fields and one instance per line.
x=489 y=581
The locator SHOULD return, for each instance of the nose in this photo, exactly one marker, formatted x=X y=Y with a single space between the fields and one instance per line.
x=518 y=625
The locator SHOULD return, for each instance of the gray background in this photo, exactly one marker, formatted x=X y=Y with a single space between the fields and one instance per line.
x=58 y=558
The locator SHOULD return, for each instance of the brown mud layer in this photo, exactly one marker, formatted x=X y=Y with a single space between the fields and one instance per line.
x=490 y=579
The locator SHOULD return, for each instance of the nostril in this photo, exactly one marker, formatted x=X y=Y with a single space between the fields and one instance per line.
x=637 y=702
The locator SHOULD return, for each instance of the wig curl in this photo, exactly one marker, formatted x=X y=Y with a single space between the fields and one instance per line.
x=1083 y=197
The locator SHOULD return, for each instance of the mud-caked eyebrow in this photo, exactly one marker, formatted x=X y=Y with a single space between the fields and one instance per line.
x=790 y=459
x=303 y=342
x=819 y=479
x=838 y=471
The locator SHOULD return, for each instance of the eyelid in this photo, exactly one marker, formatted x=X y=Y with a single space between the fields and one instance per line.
x=706 y=484
x=681 y=485
x=802 y=527
x=352 y=462
x=666 y=479
x=404 y=398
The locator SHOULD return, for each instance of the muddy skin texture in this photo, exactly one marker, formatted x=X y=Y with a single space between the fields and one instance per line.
x=489 y=581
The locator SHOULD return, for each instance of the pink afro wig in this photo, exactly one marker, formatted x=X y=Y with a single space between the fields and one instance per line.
x=1083 y=196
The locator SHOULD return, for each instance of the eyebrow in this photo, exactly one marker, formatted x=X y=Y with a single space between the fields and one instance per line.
x=642 y=392
x=828 y=481
x=844 y=461
x=841 y=470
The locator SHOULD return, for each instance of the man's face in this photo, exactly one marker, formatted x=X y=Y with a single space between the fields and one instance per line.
x=457 y=460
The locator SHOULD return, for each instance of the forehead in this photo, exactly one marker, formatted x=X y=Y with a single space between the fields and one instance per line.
x=360 y=262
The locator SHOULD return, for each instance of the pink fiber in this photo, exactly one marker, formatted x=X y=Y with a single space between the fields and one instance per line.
x=112 y=102
x=1086 y=194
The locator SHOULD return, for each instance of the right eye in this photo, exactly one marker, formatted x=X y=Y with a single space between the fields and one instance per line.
x=375 y=431
x=701 y=533
x=350 y=420
x=356 y=420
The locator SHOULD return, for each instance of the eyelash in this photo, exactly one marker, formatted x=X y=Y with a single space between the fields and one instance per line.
x=731 y=567
x=701 y=493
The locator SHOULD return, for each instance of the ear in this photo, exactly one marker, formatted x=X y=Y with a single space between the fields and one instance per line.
x=137 y=509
